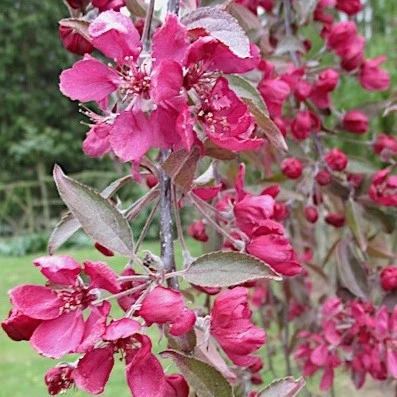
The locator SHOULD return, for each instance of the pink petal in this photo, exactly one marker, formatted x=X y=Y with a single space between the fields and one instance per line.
x=176 y=386
x=89 y=80
x=94 y=327
x=96 y=144
x=319 y=355
x=207 y=192
x=391 y=359
x=166 y=81
x=101 y=276
x=382 y=323
x=18 y=326
x=183 y=323
x=327 y=379
x=121 y=329
x=162 y=305
x=59 y=269
x=115 y=35
x=93 y=370
x=55 y=338
x=36 y=301
x=145 y=376
x=164 y=47
x=132 y=135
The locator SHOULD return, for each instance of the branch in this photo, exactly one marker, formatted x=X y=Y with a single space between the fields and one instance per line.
x=166 y=224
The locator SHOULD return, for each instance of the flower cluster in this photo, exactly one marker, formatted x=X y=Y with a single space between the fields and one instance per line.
x=354 y=335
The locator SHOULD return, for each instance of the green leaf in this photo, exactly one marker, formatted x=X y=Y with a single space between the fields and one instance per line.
x=245 y=90
x=226 y=269
x=69 y=225
x=98 y=218
x=355 y=222
x=351 y=269
x=286 y=387
x=221 y=25
x=204 y=379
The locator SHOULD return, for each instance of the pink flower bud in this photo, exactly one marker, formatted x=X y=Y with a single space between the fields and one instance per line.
x=304 y=123
x=197 y=231
x=383 y=189
x=311 y=214
x=303 y=90
x=274 y=93
x=251 y=210
x=326 y=82
x=372 y=77
x=340 y=34
x=336 y=159
x=336 y=220
x=350 y=7
x=74 y=42
x=59 y=379
x=151 y=181
x=352 y=54
x=388 y=278
x=355 y=121
x=281 y=212
x=323 y=178
x=291 y=168
x=103 y=250
x=385 y=146
x=166 y=306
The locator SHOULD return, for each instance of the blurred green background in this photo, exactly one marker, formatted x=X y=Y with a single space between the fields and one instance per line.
x=38 y=127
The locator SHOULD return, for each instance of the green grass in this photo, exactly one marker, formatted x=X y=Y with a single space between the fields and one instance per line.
x=22 y=369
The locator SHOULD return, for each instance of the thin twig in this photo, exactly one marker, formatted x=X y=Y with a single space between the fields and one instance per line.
x=147 y=27
x=286 y=341
x=146 y=226
x=131 y=212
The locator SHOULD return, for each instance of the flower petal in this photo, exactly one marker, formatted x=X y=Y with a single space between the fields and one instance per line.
x=101 y=276
x=55 y=338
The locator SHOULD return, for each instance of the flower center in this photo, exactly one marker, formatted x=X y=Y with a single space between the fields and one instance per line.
x=78 y=298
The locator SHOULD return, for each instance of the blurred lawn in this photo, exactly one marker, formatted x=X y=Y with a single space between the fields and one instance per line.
x=21 y=369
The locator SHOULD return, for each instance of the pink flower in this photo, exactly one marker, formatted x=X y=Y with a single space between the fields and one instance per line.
x=226 y=119
x=311 y=214
x=372 y=77
x=269 y=245
x=323 y=178
x=74 y=42
x=197 y=231
x=355 y=121
x=302 y=90
x=97 y=144
x=176 y=386
x=385 y=146
x=326 y=83
x=60 y=307
x=274 y=93
x=59 y=379
x=231 y=326
x=383 y=189
x=352 y=55
x=166 y=306
x=336 y=159
x=350 y=7
x=388 y=278
x=336 y=220
x=291 y=168
x=304 y=123
x=252 y=210
x=341 y=35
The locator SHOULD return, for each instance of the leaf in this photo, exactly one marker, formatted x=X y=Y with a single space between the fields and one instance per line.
x=246 y=19
x=206 y=351
x=217 y=152
x=136 y=8
x=202 y=377
x=220 y=25
x=378 y=248
x=181 y=167
x=350 y=269
x=98 y=218
x=69 y=225
x=80 y=26
x=226 y=269
x=289 y=44
x=245 y=90
x=286 y=387
x=270 y=129
x=355 y=222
